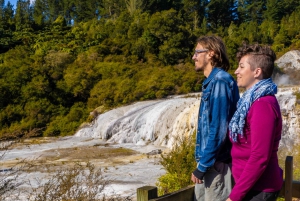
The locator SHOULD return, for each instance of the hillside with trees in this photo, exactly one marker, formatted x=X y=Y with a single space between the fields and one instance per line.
x=61 y=59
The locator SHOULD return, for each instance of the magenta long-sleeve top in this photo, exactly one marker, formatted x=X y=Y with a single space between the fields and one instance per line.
x=254 y=156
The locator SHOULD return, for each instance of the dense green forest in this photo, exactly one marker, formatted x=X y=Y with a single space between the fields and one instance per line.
x=61 y=59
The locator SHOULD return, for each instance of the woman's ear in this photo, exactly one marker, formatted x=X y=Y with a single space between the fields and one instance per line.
x=258 y=74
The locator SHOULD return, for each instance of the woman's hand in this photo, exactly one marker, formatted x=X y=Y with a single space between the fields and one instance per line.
x=228 y=199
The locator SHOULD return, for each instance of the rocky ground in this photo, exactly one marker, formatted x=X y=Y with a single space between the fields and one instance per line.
x=126 y=166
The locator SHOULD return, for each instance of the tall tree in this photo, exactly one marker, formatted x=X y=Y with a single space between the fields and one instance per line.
x=1 y=14
x=251 y=10
x=193 y=12
x=39 y=10
x=274 y=10
x=23 y=17
x=220 y=13
x=85 y=10
x=6 y=27
x=168 y=28
x=112 y=8
x=8 y=14
x=289 y=6
x=134 y=5
x=269 y=29
x=54 y=10
x=160 y=5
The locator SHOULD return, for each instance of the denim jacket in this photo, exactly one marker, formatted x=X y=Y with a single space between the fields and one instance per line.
x=218 y=104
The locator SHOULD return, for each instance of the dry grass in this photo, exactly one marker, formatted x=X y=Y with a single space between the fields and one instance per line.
x=52 y=160
x=77 y=182
x=87 y=153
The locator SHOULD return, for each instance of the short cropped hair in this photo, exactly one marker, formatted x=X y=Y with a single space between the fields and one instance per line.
x=216 y=44
x=259 y=57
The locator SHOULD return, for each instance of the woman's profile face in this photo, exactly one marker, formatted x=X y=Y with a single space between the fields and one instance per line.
x=246 y=78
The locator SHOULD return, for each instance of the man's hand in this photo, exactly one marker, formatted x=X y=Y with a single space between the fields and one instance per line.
x=196 y=180
x=197 y=176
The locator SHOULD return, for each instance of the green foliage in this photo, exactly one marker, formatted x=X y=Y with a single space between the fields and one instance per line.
x=251 y=10
x=123 y=84
x=134 y=5
x=57 y=55
x=179 y=164
x=68 y=122
x=221 y=12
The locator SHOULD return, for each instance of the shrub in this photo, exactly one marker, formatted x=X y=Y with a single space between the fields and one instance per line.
x=78 y=182
x=179 y=164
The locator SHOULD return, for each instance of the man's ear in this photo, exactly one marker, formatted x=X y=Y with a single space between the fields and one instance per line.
x=211 y=53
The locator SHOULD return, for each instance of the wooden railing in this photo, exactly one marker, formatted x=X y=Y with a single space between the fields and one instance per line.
x=289 y=190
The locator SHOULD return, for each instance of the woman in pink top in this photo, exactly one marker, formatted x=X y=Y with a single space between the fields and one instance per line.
x=255 y=128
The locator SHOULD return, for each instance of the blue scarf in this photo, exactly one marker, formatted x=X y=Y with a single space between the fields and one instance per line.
x=262 y=88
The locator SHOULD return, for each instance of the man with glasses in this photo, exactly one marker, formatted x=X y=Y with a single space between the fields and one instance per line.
x=212 y=177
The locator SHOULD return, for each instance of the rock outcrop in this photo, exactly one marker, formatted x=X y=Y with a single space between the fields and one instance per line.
x=161 y=121
x=290 y=112
x=290 y=60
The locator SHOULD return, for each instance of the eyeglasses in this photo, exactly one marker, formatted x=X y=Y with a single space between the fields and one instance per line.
x=200 y=51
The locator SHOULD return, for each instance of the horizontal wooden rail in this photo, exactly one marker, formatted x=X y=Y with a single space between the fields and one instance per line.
x=184 y=194
x=289 y=189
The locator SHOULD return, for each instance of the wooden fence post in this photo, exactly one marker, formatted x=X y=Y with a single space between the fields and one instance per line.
x=288 y=178
x=146 y=193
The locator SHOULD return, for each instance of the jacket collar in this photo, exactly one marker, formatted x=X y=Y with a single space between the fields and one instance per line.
x=212 y=74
